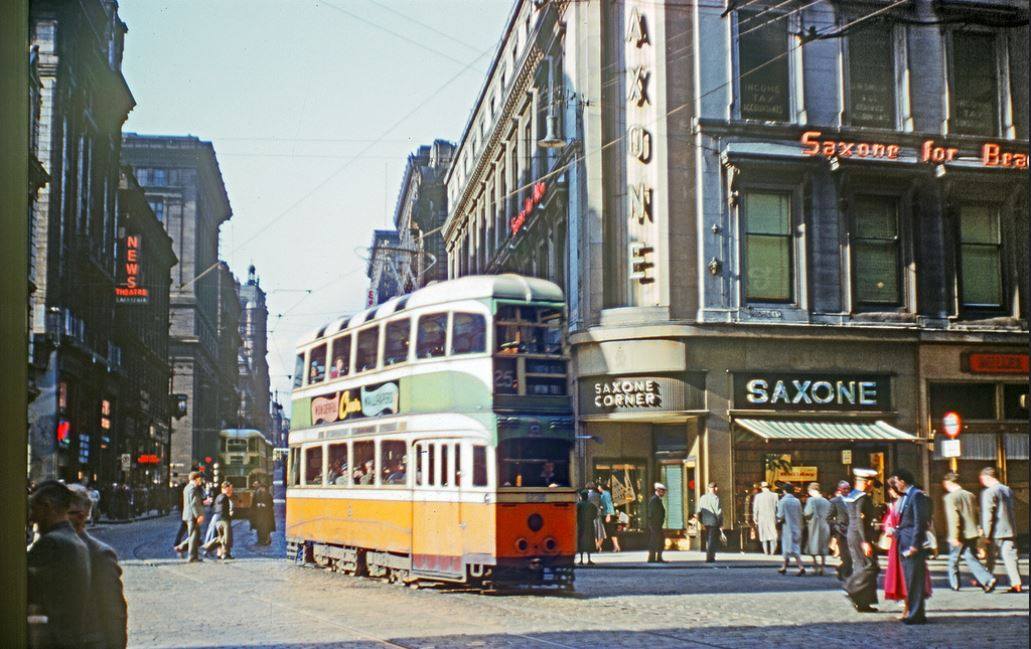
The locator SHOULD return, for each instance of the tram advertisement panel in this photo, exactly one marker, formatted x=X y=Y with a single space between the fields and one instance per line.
x=356 y=403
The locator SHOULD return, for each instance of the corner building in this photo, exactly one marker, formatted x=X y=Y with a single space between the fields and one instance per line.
x=791 y=235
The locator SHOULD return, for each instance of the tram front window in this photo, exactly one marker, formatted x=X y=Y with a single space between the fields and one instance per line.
x=533 y=463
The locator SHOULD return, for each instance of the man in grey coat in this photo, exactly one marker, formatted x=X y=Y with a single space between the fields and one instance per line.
x=107 y=622
x=58 y=567
x=999 y=526
x=710 y=515
x=961 y=521
x=193 y=514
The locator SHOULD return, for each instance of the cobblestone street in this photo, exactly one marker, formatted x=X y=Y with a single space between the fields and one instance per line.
x=262 y=600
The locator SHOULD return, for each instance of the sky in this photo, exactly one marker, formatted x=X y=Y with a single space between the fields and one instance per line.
x=313 y=108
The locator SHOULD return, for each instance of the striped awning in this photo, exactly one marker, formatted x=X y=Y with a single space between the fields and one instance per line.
x=800 y=430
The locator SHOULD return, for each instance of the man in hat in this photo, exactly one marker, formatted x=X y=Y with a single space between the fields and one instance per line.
x=861 y=586
x=656 y=519
x=839 y=529
x=764 y=515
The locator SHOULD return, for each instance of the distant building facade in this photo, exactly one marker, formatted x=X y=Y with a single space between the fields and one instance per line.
x=75 y=358
x=420 y=213
x=385 y=267
x=184 y=187
x=254 y=374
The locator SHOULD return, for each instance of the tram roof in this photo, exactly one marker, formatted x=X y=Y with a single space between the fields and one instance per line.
x=240 y=433
x=508 y=286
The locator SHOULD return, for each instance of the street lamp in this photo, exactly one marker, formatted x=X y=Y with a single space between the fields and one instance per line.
x=551 y=139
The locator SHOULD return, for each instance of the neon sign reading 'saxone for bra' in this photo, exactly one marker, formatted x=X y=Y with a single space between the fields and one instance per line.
x=992 y=154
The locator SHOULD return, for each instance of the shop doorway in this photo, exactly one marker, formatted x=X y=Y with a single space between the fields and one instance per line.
x=627 y=482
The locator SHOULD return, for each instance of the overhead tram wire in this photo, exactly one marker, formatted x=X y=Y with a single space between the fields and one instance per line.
x=425 y=25
x=832 y=32
x=342 y=167
x=777 y=17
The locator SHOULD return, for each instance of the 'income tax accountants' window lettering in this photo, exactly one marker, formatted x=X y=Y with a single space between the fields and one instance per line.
x=763 y=62
x=871 y=76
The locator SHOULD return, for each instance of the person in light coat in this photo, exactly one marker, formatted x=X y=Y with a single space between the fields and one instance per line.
x=764 y=514
x=999 y=526
x=789 y=513
x=817 y=513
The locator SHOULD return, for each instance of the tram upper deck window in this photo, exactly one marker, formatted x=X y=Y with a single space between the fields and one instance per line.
x=394 y=458
x=366 y=349
x=528 y=330
x=339 y=467
x=432 y=336
x=313 y=465
x=533 y=463
x=468 y=333
x=364 y=473
x=317 y=364
x=299 y=371
x=398 y=338
x=341 y=364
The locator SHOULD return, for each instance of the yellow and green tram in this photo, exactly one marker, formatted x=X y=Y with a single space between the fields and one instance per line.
x=431 y=439
x=244 y=457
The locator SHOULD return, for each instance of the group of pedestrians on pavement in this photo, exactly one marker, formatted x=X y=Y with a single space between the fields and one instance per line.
x=598 y=520
x=74 y=580
x=218 y=537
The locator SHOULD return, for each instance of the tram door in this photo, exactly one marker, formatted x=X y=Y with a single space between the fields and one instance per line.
x=436 y=524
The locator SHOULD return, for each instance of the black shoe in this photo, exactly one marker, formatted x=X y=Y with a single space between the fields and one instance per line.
x=782 y=570
x=864 y=609
x=228 y=556
x=800 y=573
x=918 y=620
x=990 y=586
x=195 y=560
x=1015 y=589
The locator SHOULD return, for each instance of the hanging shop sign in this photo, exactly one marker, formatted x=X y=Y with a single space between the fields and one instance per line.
x=805 y=391
x=991 y=154
x=128 y=289
x=366 y=401
x=982 y=363
x=642 y=394
x=530 y=203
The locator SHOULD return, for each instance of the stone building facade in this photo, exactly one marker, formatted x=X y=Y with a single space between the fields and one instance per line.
x=75 y=357
x=385 y=268
x=791 y=235
x=255 y=385
x=184 y=187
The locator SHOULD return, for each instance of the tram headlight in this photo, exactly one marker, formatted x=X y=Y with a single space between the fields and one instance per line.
x=535 y=522
x=522 y=544
x=550 y=544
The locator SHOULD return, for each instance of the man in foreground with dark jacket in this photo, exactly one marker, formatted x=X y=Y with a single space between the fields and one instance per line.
x=656 y=519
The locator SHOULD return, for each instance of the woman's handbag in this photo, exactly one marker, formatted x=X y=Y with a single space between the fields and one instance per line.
x=884 y=542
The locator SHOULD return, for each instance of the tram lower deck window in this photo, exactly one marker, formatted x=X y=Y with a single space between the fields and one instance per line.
x=394 y=457
x=533 y=463
x=364 y=463
x=339 y=468
x=313 y=465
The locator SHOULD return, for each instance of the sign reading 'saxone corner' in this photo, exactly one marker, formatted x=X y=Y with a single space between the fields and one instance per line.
x=804 y=391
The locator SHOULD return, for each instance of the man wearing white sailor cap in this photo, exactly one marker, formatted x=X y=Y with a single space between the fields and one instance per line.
x=861 y=586
x=656 y=520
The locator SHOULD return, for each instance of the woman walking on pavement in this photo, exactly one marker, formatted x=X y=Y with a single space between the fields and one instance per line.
x=586 y=515
x=817 y=514
x=789 y=513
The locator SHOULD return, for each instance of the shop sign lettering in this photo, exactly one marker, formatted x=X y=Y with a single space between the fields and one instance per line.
x=529 y=204
x=991 y=154
x=128 y=289
x=811 y=392
x=628 y=393
x=987 y=363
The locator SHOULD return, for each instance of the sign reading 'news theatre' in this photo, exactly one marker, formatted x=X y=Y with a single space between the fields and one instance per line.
x=803 y=391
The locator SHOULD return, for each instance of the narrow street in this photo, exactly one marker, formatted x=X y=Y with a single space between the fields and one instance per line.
x=262 y=600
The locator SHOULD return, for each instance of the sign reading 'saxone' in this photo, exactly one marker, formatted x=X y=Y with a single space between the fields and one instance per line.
x=801 y=391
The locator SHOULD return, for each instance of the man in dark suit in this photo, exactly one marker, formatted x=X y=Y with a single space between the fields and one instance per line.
x=914 y=518
x=59 y=567
x=656 y=520
x=839 y=530
x=106 y=626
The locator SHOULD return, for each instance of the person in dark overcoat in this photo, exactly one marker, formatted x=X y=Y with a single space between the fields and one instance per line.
x=861 y=586
x=839 y=530
x=58 y=569
x=656 y=520
x=263 y=516
x=107 y=623
x=586 y=514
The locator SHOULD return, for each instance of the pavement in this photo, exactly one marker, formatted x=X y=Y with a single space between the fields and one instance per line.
x=263 y=601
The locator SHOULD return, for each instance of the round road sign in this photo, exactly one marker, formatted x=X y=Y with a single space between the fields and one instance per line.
x=951 y=424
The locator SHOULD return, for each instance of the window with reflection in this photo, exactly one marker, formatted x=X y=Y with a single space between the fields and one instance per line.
x=468 y=334
x=398 y=338
x=537 y=462
x=875 y=251
x=299 y=371
x=763 y=60
x=394 y=459
x=431 y=337
x=974 y=96
x=338 y=466
x=366 y=350
x=871 y=76
x=767 y=255
x=313 y=465
x=980 y=256
x=317 y=364
x=341 y=363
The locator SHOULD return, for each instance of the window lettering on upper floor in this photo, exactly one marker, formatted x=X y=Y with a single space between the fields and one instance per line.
x=871 y=77
x=974 y=96
x=763 y=67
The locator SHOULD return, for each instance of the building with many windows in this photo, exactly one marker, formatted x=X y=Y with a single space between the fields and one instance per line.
x=184 y=187
x=386 y=266
x=420 y=212
x=787 y=231
x=254 y=376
